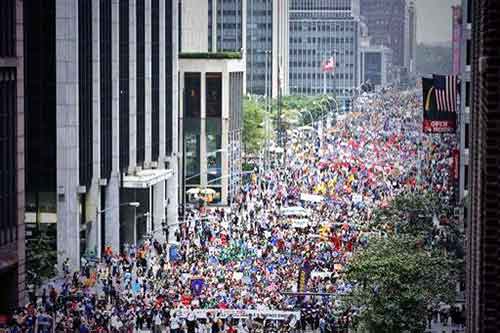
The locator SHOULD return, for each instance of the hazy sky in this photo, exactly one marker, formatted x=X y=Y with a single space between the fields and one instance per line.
x=434 y=20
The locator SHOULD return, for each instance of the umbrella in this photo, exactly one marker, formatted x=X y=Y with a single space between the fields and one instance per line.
x=208 y=191
x=193 y=191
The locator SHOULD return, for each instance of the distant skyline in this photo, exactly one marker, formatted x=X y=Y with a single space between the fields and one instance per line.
x=434 y=21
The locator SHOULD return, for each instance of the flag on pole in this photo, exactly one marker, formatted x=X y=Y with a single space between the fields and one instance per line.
x=440 y=104
x=446 y=92
x=329 y=65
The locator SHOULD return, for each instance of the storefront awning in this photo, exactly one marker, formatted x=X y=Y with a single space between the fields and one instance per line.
x=146 y=178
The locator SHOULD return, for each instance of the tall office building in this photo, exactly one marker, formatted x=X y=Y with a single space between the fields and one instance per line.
x=321 y=30
x=483 y=227
x=389 y=24
x=267 y=47
x=101 y=115
x=226 y=25
x=12 y=257
x=211 y=107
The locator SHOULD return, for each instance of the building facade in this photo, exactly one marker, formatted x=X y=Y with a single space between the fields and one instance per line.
x=226 y=25
x=388 y=23
x=412 y=38
x=101 y=81
x=211 y=106
x=375 y=64
x=12 y=252
x=483 y=228
x=321 y=30
x=267 y=46
x=462 y=34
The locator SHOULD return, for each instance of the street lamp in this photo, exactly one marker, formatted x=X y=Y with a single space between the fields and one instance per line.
x=133 y=204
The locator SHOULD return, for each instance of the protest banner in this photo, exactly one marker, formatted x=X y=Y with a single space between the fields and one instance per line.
x=238 y=313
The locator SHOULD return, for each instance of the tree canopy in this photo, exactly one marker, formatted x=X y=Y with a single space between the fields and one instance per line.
x=415 y=264
x=253 y=127
x=395 y=280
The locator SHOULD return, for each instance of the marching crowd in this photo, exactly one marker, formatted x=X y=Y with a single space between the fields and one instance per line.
x=250 y=257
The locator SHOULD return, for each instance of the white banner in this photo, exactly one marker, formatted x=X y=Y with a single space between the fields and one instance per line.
x=311 y=197
x=237 y=313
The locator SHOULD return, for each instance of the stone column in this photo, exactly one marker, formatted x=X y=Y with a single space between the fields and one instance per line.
x=147 y=82
x=203 y=131
x=159 y=210
x=68 y=215
x=150 y=211
x=93 y=198
x=112 y=234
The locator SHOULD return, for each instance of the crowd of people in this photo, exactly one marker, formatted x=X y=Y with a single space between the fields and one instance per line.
x=248 y=267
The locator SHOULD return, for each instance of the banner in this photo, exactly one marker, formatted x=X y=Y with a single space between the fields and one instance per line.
x=237 y=313
x=304 y=275
x=439 y=104
x=456 y=164
x=311 y=197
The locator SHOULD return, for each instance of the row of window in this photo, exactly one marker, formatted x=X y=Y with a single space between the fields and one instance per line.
x=319 y=76
x=321 y=26
x=320 y=52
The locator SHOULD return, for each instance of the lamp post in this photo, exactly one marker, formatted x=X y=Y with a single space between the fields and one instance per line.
x=98 y=223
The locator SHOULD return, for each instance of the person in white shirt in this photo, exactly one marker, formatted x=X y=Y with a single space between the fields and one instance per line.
x=175 y=324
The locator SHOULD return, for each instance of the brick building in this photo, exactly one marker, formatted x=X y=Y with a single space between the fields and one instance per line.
x=483 y=229
x=12 y=268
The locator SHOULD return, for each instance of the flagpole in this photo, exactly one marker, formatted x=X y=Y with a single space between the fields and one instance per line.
x=324 y=82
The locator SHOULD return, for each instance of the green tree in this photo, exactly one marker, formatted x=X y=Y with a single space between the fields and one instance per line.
x=409 y=213
x=254 y=115
x=40 y=260
x=395 y=281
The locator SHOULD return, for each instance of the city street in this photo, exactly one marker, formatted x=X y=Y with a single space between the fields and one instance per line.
x=292 y=229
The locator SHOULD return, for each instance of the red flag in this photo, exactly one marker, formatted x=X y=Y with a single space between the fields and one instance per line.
x=329 y=65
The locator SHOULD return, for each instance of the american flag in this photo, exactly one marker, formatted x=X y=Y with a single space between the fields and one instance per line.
x=446 y=92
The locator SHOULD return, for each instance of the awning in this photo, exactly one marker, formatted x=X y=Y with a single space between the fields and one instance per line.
x=146 y=178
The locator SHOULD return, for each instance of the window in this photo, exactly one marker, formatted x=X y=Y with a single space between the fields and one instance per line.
x=85 y=92
x=468 y=53
x=192 y=105
x=467 y=94
x=214 y=95
x=466 y=177
x=466 y=135
x=106 y=88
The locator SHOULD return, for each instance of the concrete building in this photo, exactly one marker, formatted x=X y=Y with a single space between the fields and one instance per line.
x=392 y=23
x=267 y=46
x=12 y=252
x=483 y=227
x=226 y=25
x=101 y=106
x=375 y=65
x=320 y=30
x=212 y=86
